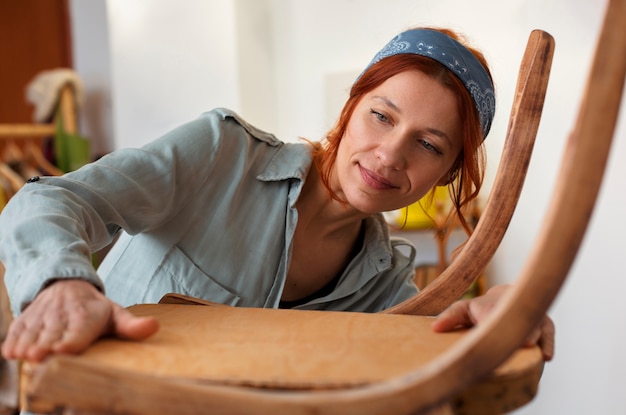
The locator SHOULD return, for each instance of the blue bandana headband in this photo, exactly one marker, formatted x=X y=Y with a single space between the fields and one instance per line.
x=454 y=56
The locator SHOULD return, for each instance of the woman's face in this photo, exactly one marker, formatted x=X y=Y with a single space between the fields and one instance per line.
x=401 y=141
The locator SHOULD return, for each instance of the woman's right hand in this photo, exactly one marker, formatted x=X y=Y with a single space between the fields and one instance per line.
x=68 y=316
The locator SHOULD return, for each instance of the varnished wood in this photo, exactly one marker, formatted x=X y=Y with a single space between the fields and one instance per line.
x=67 y=111
x=34 y=154
x=567 y=218
x=176 y=298
x=221 y=345
x=12 y=131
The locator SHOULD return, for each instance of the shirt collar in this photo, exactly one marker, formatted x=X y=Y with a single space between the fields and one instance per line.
x=291 y=161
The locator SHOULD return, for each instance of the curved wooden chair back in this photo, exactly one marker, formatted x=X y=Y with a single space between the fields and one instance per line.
x=532 y=83
x=546 y=269
x=145 y=385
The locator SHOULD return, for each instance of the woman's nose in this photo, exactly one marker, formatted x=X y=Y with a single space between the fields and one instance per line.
x=391 y=152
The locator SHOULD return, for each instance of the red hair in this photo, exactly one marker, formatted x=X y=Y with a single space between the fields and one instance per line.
x=467 y=173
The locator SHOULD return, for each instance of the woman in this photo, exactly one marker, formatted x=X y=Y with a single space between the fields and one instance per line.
x=220 y=210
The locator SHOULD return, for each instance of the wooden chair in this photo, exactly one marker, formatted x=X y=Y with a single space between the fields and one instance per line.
x=301 y=362
x=521 y=373
x=67 y=110
x=22 y=143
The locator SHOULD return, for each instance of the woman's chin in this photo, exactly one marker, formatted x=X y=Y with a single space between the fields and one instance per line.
x=369 y=207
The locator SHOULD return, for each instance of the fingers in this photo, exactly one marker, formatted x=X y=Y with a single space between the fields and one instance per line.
x=65 y=317
x=467 y=313
x=455 y=316
x=32 y=339
x=128 y=326
x=17 y=341
x=543 y=336
x=547 y=340
x=71 y=329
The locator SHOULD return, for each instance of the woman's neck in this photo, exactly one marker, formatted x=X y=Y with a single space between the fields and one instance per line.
x=316 y=208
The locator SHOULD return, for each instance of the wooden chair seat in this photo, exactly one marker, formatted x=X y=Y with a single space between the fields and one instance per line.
x=223 y=345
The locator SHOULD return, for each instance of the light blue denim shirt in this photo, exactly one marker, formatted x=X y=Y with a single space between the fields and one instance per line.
x=207 y=210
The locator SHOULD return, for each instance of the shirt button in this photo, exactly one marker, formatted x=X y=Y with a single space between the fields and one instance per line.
x=33 y=179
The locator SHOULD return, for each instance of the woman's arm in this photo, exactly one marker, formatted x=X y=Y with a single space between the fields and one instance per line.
x=50 y=228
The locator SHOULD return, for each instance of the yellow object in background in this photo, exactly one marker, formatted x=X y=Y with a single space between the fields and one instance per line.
x=420 y=214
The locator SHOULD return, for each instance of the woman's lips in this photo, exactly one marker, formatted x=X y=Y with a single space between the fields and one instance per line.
x=374 y=180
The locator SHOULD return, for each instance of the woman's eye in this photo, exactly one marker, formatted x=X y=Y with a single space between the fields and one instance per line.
x=379 y=116
x=430 y=147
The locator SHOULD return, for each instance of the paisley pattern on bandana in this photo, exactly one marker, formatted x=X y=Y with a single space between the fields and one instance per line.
x=453 y=55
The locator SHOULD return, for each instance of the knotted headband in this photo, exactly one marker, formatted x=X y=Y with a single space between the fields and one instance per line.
x=454 y=56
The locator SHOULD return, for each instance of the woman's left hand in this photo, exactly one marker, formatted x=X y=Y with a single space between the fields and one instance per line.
x=467 y=313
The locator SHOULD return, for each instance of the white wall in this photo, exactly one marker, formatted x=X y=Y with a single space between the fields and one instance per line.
x=172 y=60
x=90 y=44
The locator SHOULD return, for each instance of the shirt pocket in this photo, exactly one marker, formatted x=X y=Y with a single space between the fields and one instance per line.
x=185 y=277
